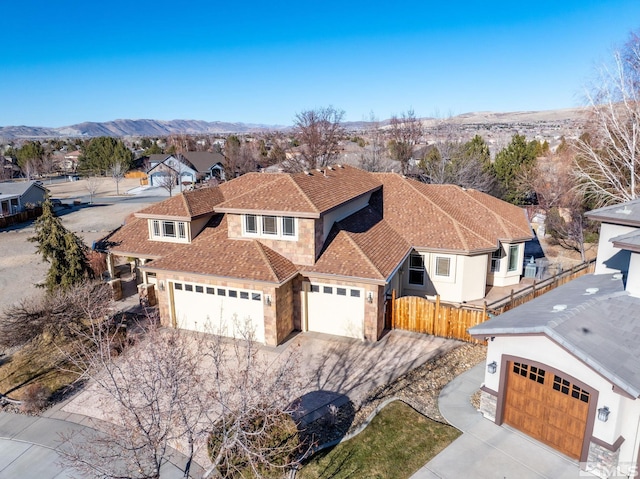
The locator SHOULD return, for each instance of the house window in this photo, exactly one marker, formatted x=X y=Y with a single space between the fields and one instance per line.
x=288 y=226
x=416 y=269
x=233 y=293
x=536 y=374
x=495 y=260
x=341 y=291
x=210 y=291
x=188 y=287
x=355 y=293
x=513 y=257
x=221 y=292
x=244 y=295
x=156 y=228
x=282 y=227
x=199 y=289
x=315 y=288
x=169 y=229
x=255 y=296
x=443 y=266
x=182 y=231
x=251 y=224
x=269 y=225
x=327 y=290
x=177 y=286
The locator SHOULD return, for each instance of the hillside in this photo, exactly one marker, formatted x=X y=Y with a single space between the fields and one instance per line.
x=547 y=124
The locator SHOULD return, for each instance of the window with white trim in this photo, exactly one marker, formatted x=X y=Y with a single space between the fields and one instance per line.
x=416 y=269
x=513 y=257
x=496 y=256
x=270 y=226
x=443 y=266
x=169 y=230
x=250 y=224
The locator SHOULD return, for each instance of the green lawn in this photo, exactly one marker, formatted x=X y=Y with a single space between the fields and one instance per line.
x=397 y=443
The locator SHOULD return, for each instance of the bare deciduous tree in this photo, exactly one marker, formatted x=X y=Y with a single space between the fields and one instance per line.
x=319 y=132
x=404 y=135
x=172 y=388
x=374 y=157
x=118 y=169
x=93 y=185
x=608 y=162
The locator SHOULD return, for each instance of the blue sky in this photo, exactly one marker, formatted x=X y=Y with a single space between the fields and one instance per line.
x=262 y=62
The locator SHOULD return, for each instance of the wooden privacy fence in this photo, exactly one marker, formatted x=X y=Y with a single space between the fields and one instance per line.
x=420 y=315
x=417 y=314
x=538 y=288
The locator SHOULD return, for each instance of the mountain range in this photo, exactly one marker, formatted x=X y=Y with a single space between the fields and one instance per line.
x=157 y=128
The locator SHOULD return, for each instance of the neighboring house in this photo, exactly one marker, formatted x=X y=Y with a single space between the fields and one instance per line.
x=191 y=166
x=9 y=167
x=565 y=367
x=17 y=196
x=70 y=162
x=318 y=251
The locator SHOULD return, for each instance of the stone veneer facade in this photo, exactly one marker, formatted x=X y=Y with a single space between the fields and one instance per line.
x=278 y=322
x=302 y=251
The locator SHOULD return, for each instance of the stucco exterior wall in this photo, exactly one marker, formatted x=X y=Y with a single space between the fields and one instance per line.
x=504 y=277
x=633 y=278
x=609 y=258
x=196 y=226
x=625 y=413
x=467 y=281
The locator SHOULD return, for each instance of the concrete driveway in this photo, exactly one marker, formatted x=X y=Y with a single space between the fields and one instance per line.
x=335 y=370
x=486 y=450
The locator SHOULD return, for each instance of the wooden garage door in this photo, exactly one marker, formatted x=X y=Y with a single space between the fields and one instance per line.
x=547 y=407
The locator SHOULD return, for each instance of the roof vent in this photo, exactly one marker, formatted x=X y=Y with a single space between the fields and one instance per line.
x=617 y=275
x=559 y=307
x=591 y=291
x=306 y=172
x=624 y=211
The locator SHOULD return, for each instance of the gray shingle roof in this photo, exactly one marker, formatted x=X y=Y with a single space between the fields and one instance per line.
x=622 y=214
x=600 y=325
x=628 y=241
x=17 y=187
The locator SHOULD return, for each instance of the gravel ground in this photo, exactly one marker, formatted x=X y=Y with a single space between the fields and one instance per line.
x=21 y=268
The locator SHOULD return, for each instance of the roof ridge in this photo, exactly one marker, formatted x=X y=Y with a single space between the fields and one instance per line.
x=186 y=203
x=263 y=253
x=362 y=253
x=456 y=223
x=301 y=191
x=500 y=220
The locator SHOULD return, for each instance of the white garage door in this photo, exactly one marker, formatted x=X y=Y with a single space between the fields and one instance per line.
x=336 y=310
x=218 y=310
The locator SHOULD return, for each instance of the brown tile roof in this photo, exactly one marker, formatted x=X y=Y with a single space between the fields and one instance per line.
x=213 y=254
x=310 y=193
x=185 y=206
x=448 y=218
x=363 y=246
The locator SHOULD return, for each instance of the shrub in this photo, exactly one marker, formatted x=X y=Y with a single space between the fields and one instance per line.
x=34 y=398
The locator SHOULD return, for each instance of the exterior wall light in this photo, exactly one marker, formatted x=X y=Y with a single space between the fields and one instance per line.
x=267 y=299
x=161 y=285
x=603 y=414
x=370 y=297
x=492 y=367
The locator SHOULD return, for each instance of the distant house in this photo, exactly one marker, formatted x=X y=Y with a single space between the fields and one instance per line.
x=191 y=167
x=70 y=163
x=564 y=368
x=17 y=196
x=9 y=167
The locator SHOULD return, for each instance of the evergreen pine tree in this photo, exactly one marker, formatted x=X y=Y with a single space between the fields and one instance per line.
x=62 y=249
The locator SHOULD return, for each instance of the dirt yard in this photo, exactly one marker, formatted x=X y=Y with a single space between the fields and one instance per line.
x=21 y=268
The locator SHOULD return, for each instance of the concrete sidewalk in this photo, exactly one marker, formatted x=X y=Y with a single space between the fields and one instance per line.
x=30 y=445
x=486 y=450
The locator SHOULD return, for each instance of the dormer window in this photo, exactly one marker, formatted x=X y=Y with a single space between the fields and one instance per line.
x=165 y=230
x=269 y=226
